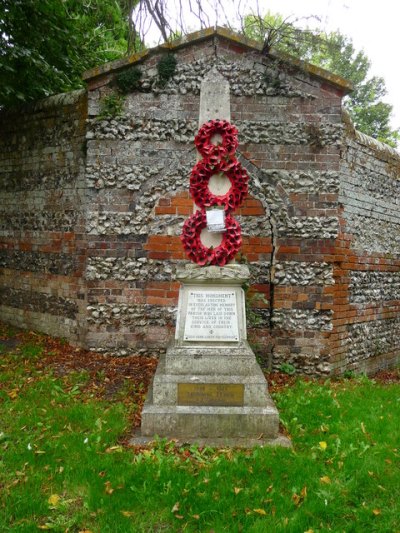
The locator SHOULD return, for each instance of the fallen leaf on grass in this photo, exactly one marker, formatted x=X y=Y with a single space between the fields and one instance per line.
x=108 y=487
x=113 y=449
x=196 y=516
x=54 y=500
x=260 y=511
x=299 y=498
x=325 y=479
x=323 y=445
x=128 y=514
x=236 y=490
x=175 y=508
x=376 y=512
x=13 y=393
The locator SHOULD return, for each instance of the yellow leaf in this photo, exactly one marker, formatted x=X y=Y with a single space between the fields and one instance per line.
x=196 y=516
x=298 y=499
x=44 y=527
x=108 y=487
x=54 y=500
x=260 y=511
x=323 y=445
x=363 y=427
x=236 y=490
x=325 y=479
x=13 y=393
x=128 y=514
x=85 y=531
x=179 y=516
x=113 y=449
x=175 y=508
x=376 y=512
x=309 y=531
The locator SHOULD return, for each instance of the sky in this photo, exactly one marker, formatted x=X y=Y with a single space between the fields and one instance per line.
x=373 y=27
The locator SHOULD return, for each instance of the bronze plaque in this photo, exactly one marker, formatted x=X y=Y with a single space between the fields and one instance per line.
x=227 y=394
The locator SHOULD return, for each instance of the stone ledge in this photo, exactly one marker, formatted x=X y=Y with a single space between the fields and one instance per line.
x=217 y=442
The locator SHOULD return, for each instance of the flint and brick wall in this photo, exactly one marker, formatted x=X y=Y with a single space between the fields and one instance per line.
x=367 y=266
x=42 y=253
x=316 y=225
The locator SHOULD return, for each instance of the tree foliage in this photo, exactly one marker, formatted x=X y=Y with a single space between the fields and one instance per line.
x=336 y=53
x=46 y=45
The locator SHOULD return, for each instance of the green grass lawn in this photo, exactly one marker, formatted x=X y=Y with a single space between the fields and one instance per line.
x=65 y=466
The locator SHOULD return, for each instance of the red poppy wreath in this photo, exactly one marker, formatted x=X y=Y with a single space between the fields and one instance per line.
x=217 y=158
x=200 y=177
x=200 y=254
x=228 y=132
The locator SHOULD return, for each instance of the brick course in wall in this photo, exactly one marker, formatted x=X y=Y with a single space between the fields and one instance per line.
x=93 y=206
x=42 y=250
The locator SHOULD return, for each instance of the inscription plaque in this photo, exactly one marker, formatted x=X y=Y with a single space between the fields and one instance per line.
x=211 y=394
x=211 y=316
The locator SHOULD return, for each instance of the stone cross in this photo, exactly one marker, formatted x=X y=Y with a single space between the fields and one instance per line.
x=214 y=104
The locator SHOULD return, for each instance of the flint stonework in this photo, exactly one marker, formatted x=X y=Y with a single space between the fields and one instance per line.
x=92 y=207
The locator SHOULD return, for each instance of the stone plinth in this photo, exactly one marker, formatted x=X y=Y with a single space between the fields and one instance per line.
x=208 y=387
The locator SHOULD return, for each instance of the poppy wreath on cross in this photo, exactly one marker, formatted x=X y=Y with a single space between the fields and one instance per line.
x=202 y=255
x=228 y=145
x=200 y=177
x=218 y=158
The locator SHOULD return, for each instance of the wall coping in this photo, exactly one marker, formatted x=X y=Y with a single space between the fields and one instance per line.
x=380 y=149
x=50 y=102
x=209 y=33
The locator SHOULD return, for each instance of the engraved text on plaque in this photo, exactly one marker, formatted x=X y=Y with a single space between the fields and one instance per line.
x=211 y=316
x=227 y=394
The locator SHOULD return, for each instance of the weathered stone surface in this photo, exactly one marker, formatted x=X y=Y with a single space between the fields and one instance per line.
x=206 y=363
x=134 y=316
x=63 y=264
x=38 y=302
x=302 y=273
x=370 y=339
x=130 y=269
x=374 y=287
x=182 y=131
x=302 y=319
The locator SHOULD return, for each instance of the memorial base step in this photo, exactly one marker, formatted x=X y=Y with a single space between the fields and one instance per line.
x=177 y=421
